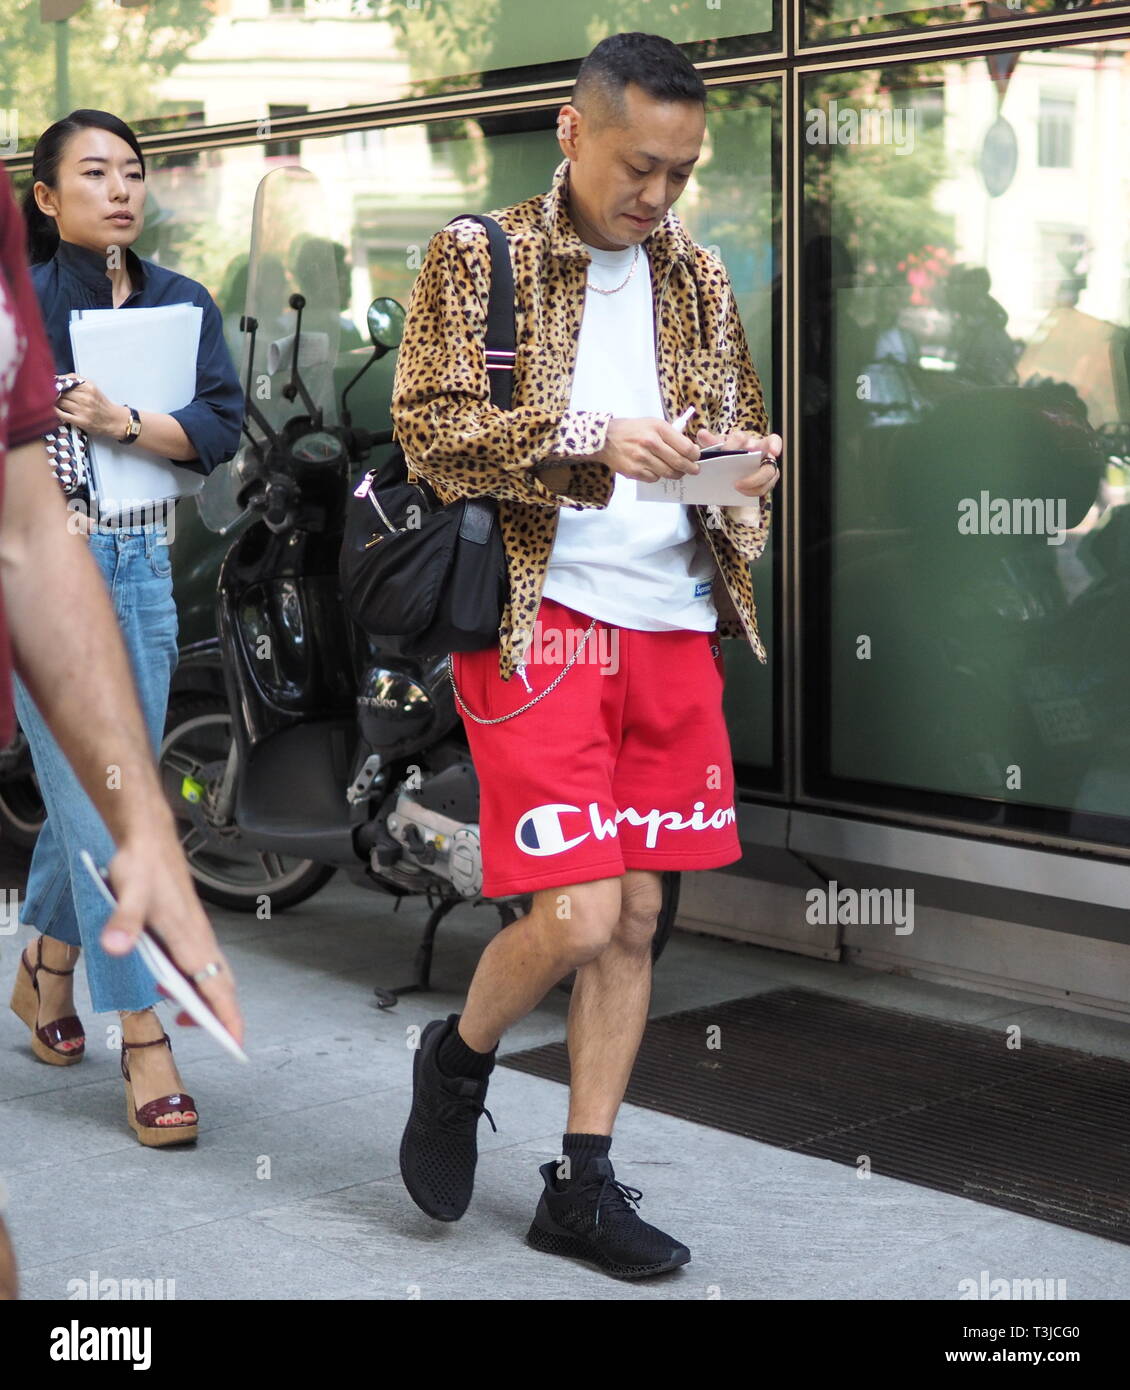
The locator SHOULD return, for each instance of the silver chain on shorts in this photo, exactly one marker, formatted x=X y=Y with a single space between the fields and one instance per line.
x=502 y=718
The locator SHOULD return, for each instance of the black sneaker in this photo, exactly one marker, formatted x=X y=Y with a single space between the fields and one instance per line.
x=438 y=1152
x=593 y=1218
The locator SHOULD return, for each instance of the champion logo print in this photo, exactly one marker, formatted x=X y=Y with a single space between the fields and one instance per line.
x=542 y=830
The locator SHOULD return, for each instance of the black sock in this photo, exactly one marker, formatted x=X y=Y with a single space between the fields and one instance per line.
x=455 y=1058
x=579 y=1148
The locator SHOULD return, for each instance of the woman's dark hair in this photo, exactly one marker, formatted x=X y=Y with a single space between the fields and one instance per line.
x=42 y=231
x=650 y=61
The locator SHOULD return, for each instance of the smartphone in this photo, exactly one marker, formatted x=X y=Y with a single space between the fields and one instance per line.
x=717 y=451
x=168 y=973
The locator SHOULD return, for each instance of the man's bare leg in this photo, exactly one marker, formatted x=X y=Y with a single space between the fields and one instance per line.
x=583 y=1213
x=564 y=930
x=608 y=1012
x=603 y=930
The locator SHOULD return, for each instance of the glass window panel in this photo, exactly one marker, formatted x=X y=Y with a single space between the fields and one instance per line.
x=221 y=61
x=737 y=211
x=387 y=191
x=966 y=437
x=825 y=21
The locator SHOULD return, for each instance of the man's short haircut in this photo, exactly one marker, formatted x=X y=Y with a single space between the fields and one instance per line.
x=650 y=61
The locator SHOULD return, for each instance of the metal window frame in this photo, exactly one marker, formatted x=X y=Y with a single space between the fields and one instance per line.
x=1019 y=27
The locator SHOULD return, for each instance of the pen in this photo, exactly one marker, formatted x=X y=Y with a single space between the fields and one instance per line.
x=681 y=422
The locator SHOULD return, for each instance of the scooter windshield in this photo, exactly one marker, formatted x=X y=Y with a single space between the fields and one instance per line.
x=290 y=255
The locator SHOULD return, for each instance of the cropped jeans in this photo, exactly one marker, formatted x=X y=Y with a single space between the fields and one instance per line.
x=61 y=899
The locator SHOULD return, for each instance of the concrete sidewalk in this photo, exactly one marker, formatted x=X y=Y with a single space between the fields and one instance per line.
x=293 y=1190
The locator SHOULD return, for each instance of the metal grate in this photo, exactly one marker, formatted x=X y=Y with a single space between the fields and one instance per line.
x=1038 y=1129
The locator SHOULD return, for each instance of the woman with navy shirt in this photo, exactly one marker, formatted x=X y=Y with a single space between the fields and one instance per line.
x=84 y=211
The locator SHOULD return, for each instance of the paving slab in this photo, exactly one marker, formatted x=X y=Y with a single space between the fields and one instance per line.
x=293 y=1190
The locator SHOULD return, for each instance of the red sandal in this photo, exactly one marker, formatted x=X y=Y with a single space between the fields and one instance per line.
x=143 y=1122
x=25 y=1005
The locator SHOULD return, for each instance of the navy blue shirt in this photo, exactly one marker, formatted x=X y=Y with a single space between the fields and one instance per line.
x=75 y=278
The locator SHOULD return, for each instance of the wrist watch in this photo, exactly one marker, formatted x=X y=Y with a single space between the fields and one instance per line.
x=134 y=427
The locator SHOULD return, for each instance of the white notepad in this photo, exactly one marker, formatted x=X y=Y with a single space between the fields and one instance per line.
x=712 y=485
x=145 y=358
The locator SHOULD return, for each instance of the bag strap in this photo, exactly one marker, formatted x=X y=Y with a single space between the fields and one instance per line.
x=500 y=311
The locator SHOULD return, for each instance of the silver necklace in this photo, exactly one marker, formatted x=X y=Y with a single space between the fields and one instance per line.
x=620 y=286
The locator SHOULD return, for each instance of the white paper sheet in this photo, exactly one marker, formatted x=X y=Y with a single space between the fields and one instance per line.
x=166 y=973
x=145 y=358
x=713 y=484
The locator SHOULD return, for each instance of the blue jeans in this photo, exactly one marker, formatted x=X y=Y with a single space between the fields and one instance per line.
x=61 y=899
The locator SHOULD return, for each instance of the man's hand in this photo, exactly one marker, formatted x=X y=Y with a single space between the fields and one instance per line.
x=154 y=888
x=648 y=450
x=86 y=407
x=764 y=480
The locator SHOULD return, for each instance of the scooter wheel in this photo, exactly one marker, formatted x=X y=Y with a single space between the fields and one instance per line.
x=226 y=871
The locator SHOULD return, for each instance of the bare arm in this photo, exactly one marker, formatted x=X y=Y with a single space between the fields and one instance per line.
x=161 y=433
x=68 y=650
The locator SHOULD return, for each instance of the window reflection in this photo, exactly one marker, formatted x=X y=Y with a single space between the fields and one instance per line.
x=826 y=20
x=966 y=393
x=244 y=60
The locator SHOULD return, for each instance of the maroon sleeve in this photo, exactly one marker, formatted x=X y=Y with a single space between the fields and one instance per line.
x=32 y=403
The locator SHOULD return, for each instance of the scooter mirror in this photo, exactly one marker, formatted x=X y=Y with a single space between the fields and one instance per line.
x=386 y=322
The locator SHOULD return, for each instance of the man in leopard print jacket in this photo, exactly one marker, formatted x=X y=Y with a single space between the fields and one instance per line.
x=601 y=772
x=464 y=447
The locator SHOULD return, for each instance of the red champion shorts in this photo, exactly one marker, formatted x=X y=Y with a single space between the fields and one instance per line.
x=625 y=764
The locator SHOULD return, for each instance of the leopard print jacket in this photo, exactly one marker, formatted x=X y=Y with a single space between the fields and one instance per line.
x=532 y=458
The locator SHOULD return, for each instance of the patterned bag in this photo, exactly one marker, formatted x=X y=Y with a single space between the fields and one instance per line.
x=66 y=445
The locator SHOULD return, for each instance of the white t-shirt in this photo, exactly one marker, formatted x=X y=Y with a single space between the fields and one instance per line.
x=636 y=564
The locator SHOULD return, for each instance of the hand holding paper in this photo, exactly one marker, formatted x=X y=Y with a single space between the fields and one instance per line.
x=146 y=357
x=734 y=471
x=714 y=483
x=761 y=481
x=86 y=408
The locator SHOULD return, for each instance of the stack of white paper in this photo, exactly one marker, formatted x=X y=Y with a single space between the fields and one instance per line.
x=712 y=485
x=145 y=358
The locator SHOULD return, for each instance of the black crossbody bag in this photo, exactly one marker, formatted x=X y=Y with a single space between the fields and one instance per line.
x=432 y=578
